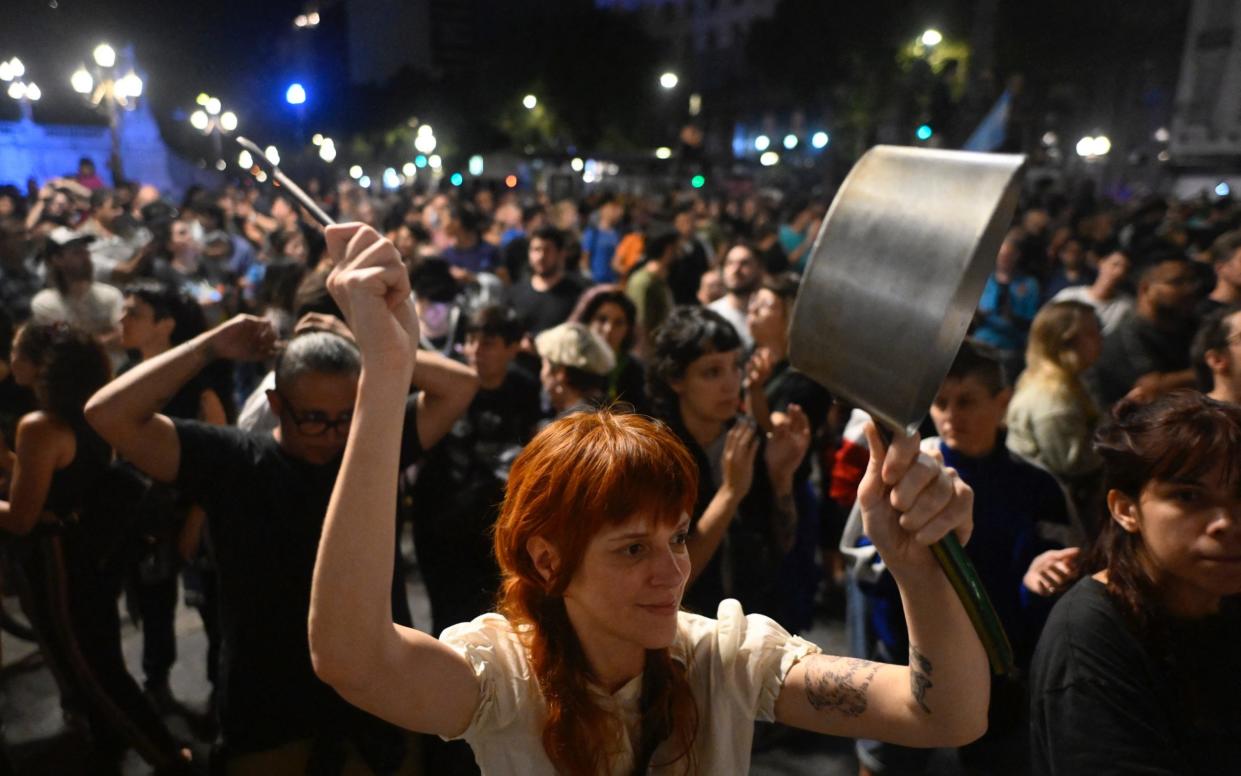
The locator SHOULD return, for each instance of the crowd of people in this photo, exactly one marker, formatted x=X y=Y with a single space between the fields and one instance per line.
x=602 y=434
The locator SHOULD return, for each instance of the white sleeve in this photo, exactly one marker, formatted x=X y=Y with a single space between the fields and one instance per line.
x=753 y=657
x=506 y=687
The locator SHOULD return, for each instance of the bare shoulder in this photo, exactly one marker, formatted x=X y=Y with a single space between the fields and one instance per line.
x=51 y=436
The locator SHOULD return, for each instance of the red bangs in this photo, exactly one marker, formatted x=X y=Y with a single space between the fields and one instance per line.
x=590 y=470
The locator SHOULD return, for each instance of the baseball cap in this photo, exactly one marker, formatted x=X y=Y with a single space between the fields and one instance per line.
x=574 y=345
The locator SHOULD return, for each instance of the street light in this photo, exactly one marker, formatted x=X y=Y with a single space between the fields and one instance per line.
x=105 y=55
x=790 y=141
x=669 y=80
x=762 y=143
x=931 y=37
x=424 y=141
x=25 y=92
x=529 y=101
x=1092 y=147
x=295 y=94
x=212 y=120
x=110 y=93
x=820 y=140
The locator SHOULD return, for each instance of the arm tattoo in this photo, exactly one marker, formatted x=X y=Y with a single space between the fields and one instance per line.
x=839 y=684
x=919 y=677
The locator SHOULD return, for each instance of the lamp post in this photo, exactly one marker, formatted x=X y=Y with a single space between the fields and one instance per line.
x=13 y=73
x=105 y=90
x=212 y=120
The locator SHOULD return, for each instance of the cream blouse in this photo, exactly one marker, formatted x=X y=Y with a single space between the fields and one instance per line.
x=736 y=666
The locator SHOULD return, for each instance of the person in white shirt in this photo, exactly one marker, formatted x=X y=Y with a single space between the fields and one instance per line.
x=74 y=297
x=1110 y=303
x=590 y=666
x=742 y=274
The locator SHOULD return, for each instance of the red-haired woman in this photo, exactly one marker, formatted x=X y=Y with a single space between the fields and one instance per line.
x=590 y=666
x=1137 y=669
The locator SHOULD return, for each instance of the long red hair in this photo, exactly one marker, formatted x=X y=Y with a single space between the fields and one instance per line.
x=582 y=473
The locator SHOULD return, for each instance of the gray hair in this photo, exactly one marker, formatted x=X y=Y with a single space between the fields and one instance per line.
x=320 y=352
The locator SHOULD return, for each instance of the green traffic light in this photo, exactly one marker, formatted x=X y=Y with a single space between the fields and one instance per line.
x=698 y=181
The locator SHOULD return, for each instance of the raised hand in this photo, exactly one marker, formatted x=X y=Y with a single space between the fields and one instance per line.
x=371 y=285
x=909 y=501
x=1052 y=571
x=243 y=338
x=740 y=447
x=786 y=446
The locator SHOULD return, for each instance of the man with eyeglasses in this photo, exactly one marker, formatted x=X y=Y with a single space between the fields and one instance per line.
x=1148 y=354
x=266 y=495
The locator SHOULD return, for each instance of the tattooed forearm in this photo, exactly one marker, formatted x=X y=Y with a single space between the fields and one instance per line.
x=919 y=677
x=839 y=684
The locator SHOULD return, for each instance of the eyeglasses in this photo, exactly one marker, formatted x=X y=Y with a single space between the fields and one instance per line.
x=313 y=423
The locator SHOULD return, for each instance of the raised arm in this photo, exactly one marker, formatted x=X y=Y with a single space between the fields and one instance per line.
x=941 y=697
x=126 y=411
x=448 y=387
x=740 y=449
x=395 y=673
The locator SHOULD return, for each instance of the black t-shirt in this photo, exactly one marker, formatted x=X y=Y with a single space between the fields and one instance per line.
x=265 y=512
x=1103 y=703
x=789 y=386
x=1136 y=348
x=542 y=310
x=685 y=274
x=457 y=498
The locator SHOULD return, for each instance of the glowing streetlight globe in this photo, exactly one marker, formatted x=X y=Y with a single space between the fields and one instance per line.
x=129 y=85
x=213 y=106
x=762 y=143
x=790 y=141
x=669 y=80
x=529 y=101
x=435 y=161
x=17 y=90
x=272 y=154
x=409 y=170
x=245 y=160
x=105 y=55
x=198 y=120
x=228 y=121
x=931 y=38
x=295 y=94
x=81 y=81
x=424 y=144
x=663 y=152
x=820 y=140
x=769 y=158
x=327 y=152
x=355 y=171
x=33 y=92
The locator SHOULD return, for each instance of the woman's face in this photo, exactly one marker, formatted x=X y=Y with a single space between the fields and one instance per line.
x=711 y=387
x=625 y=595
x=610 y=323
x=1191 y=534
x=137 y=323
x=766 y=317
